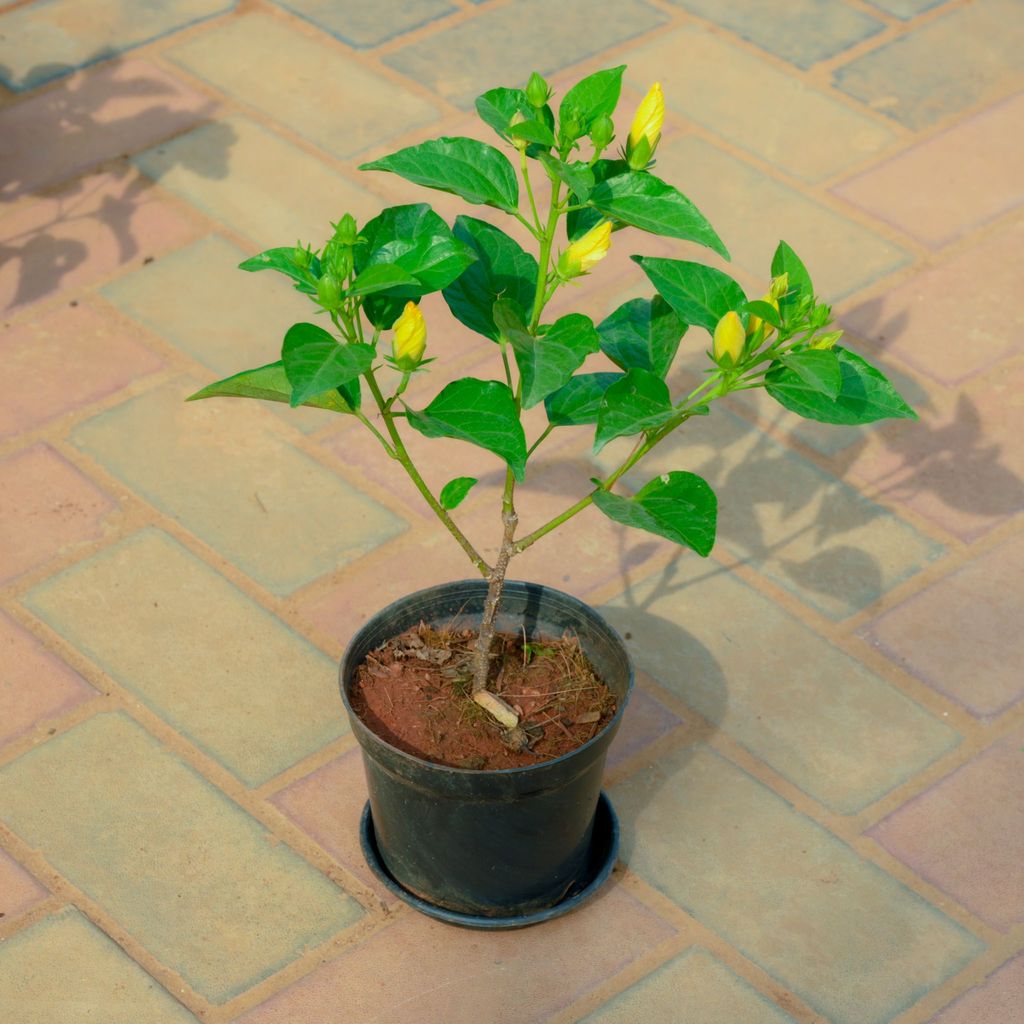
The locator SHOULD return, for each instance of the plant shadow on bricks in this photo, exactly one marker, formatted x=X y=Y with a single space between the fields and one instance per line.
x=45 y=254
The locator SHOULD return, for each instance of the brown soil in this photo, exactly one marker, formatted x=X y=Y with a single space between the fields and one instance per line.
x=414 y=692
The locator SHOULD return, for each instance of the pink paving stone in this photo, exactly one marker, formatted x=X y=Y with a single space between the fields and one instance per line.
x=645 y=720
x=998 y=999
x=81 y=233
x=419 y=970
x=19 y=891
x=93 y=116
x=952 y=321
x=951 y=183
x=34 y=685
x=962 y=635
x=66 y=359
x=965 y=835
x=46 y=507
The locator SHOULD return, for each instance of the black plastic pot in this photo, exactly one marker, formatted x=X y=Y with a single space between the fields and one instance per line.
x=483 y=847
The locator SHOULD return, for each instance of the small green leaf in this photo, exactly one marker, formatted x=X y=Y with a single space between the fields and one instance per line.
x=270 y=383
x=502 y=270
x=314 y=362
x=644 y=333
x=640 y=401
x=454 y=491
x=497 y=107
x=819 y=369
x=283 y=261
x=785 y=261
x=646 y=202
x=578 y=400
x=591 y=97
x=865 y=394
x=577 y=175
x=765 y=310
x=549 y=360
x=382 y=277
x=679 y=506
x=533 y=131
x=700 y=295
x=477 y=172
x=482 y=412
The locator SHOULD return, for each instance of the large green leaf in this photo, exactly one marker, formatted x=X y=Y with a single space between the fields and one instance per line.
x=679 y=506
x=270 y=383
x=865 y=394
x=579 y=222
x=282 y=260
x=502 y=270
x=482 y=412
x=646 y=202
x=314 y=362
x=785 y=261
x=640 y=401
x=549 y=360
x=700 y=295
x=579 y=399
x=477 y=172
x=819 y=369
x=644 y=333
x=591 y=98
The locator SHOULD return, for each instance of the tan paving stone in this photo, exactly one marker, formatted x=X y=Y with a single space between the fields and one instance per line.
x=940 y=68
x=185 y=871
x=222 y=470
x=951 y=183
x=34 y=684
x=65 y=359
x=849 y=940
x=997 y=999
x=255 y=182
x=96 y=115
x=751 y=212
x=19 y=891
x=419 y=970
x=46 y=507
x=951 y=321
x=265 y=63
x=84 y=232
x=709 y=991
x=64 y=969
x=815 y=715
x=646 y=719
x=197 y=651
x=365 y=25
x=965 y=835
x=777 y=116
x=961 y=635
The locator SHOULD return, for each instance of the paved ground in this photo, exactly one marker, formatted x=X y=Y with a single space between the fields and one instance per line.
x=820 y=780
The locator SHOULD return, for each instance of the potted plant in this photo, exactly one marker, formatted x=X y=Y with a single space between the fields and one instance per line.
x=520 y=833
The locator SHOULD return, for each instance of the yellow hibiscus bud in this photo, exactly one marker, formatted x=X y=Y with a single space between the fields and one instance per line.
x=729 y=339
x=585 y=251
x=410 y=339
x=646 y=128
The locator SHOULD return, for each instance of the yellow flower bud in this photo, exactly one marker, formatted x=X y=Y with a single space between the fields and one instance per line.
x=410 y=339
x=585 y=251
x=646 y=128
x=729 y=339
x=826 y=341
x=755 y=321
x=779 y=287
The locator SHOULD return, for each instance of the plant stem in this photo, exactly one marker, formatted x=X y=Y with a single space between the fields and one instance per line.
x=536 y=444
x=524 y=167
x=540 y=296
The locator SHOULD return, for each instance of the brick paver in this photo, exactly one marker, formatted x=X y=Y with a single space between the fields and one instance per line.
x=819 y=777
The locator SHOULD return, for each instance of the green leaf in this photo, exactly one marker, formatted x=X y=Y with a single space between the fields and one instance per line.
x=270 y=383
x=640 y=401
x=578 y=400
x=533 y=131
x=454 y=491
x=579 y=222
x=382 y=277
x=477 y=172
x=497 y=107
x=819 y=369
x=314 y=362
x=646 y=202
x=549 y=360
x=577 y=175
x=764 y=310
x=590 y=98
x=679 y=506
x=283 y=261
x=700 y=295
x=865 y=394
x=644 y=333
x=502 y=270
x=785 y=261
x=482 y=412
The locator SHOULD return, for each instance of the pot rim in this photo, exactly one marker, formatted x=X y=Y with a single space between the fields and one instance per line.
x=492 y=772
